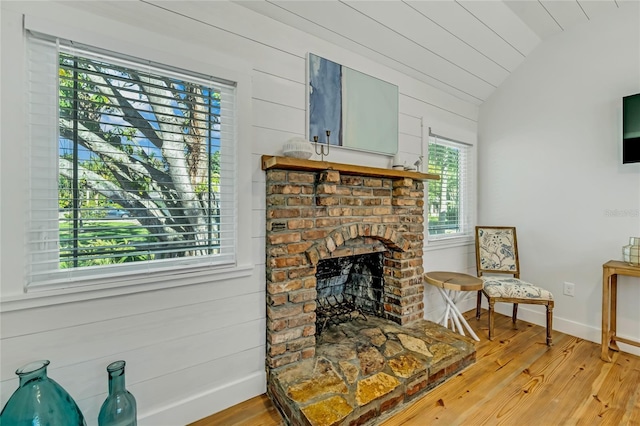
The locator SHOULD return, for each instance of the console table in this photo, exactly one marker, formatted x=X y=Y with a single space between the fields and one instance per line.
x=610 y=272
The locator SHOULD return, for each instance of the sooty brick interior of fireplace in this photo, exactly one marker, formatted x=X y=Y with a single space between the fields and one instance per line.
x=349 y=287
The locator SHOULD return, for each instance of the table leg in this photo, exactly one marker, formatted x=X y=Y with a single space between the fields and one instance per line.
x=449 y=319
x=445 y=317
x=455 y=296
x=457 y=316
x=606 y=306
x=451 y=303
x=613 y=318
x=457 y=325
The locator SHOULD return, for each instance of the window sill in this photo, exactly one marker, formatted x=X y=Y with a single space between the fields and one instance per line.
x=39 y=297
x=446 y=243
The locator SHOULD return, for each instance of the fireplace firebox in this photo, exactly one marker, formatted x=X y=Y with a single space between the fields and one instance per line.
x=347 y=288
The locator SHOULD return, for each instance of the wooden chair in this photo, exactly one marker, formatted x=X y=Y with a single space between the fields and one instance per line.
x=497 y=254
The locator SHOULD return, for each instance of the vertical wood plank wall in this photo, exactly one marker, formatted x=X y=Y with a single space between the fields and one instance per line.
x=197 y=349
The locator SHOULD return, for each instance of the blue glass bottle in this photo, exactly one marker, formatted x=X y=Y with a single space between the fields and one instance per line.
x=119 y=409
x=40 y=401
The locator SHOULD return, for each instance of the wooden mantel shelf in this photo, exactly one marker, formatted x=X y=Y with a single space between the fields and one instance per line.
x=289 y=163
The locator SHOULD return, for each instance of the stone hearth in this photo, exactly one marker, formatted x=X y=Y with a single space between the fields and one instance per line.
x=364 y=371
x=354 y=372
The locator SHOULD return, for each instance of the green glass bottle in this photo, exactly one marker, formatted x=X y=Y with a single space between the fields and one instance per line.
x=119 y=409
x=40 y=401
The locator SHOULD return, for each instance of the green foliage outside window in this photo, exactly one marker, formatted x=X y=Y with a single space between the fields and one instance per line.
x=444 y=194
x=142 y=143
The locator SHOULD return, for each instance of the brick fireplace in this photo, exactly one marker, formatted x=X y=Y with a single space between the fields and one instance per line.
x=315 y=215
x=318 y=211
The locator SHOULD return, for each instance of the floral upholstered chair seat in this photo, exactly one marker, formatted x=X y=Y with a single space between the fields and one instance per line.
x=514 y=288
x=497 y=255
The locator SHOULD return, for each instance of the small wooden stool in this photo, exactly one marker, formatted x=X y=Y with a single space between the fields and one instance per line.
x=448 y=283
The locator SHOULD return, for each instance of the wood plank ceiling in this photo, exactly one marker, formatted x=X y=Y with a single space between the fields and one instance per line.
x=464 y=47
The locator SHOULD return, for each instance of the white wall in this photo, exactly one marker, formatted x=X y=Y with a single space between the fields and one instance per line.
x=550 y=164
x=194 y=345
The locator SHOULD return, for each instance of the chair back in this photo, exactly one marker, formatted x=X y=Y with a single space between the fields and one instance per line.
x=497 y=250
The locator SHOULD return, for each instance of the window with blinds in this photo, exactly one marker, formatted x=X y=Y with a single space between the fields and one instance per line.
x=132 y=165
x=448 y=204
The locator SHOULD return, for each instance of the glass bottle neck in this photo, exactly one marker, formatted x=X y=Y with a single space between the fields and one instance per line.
x=116 y=377
x=34 y=370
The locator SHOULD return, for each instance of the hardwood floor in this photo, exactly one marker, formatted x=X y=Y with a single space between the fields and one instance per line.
x=516 y=379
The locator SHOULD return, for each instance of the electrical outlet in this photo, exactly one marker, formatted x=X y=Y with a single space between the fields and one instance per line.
x=569 y=289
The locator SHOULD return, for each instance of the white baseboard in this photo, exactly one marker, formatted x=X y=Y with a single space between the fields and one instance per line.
x=206 y=403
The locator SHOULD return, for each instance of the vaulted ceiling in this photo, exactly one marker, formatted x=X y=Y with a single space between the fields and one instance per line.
x=464 y=47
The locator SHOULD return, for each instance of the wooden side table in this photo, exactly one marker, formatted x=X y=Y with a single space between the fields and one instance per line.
x=610 y=272
x=448 y=283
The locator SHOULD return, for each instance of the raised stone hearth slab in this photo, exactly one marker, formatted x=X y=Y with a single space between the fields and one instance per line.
x=366 y=370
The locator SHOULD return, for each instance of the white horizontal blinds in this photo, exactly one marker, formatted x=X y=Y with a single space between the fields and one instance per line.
x=448 y=206
x=145 y=167
x=42 y=217
x=228 y=169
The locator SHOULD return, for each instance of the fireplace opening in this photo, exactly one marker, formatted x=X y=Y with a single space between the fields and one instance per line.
x=348 y=288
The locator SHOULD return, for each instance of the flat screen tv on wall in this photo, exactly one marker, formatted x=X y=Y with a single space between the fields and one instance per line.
x=631 y=129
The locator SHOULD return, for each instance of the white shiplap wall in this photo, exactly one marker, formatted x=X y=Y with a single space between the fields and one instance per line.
x=195 y=349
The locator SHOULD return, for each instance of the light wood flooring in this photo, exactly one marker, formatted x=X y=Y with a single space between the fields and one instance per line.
x=516 y=380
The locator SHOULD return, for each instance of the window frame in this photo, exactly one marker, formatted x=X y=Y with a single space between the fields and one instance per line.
x=44 y=237
x=16 y=294
x=467 y=202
